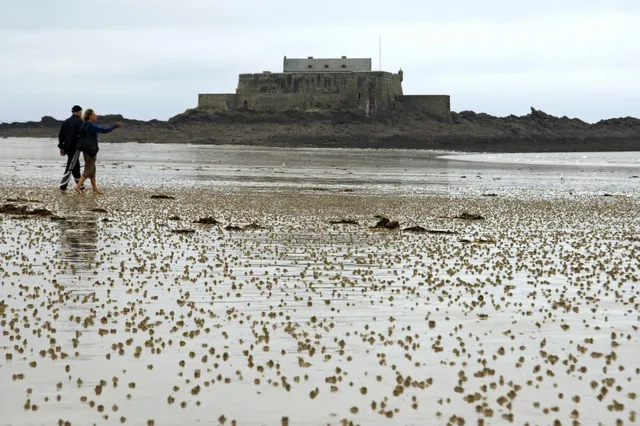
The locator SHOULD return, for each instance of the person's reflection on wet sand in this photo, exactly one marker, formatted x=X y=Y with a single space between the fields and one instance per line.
x=79 y=241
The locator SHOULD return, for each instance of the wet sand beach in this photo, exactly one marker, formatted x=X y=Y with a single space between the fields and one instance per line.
x=215 y=286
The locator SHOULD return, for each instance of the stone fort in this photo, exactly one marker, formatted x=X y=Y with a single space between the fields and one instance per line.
x=325 y=84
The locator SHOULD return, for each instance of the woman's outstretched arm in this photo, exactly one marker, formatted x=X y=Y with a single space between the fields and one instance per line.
x=93 y=127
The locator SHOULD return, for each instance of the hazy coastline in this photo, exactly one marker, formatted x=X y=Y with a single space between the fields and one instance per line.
x=408 y=129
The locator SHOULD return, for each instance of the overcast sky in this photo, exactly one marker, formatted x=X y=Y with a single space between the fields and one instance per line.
x=150 y=58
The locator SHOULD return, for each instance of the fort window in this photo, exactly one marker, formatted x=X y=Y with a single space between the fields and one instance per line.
x=344 y=66
x=309 y=66
x=326 y=66
x=359 y=96
x=245 y=104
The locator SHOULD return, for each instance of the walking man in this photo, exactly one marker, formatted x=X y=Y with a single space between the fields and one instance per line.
x=67 y=138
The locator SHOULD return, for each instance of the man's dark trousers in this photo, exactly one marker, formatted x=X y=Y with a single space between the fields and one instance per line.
x=73 y=169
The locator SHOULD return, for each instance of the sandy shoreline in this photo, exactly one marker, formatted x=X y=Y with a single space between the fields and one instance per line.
x=529 y=315
x=37 y=163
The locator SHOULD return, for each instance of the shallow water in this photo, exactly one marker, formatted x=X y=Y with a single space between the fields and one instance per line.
x=34 y=161
x=577 y=159
x=527 y=317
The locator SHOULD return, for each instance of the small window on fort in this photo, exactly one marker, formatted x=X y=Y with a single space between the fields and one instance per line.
x=309 y=66
x=326 y=66
x=359 y=96
x=344 y=66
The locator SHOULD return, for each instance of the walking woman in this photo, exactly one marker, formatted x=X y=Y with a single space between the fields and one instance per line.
x=88 y=144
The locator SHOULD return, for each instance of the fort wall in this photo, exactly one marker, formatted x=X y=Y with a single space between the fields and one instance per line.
x=272 y=102
x=217 y=101
x=436 y=106
x=375 y=93
x=318 y=82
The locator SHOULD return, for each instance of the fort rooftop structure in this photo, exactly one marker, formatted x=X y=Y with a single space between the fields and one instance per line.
x=325 y=84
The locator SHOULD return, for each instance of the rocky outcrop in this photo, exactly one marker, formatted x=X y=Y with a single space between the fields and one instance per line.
x=385 y=223
x=12 y=209
x=207 y=221
x=408 y=128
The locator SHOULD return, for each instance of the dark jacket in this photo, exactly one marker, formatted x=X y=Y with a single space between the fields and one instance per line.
x=68 y=135
x=94 y=129
x=88 y=137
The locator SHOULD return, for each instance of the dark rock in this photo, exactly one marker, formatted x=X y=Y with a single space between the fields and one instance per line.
x=382 y=223
x=343 y=222
x=421 y=230
x=415 y=229
x=207 y=221
x=98 y=210
x=12 y=209
x=39 y=212
x=193 y=116
x=57 y=219
x=23 y=210
x=478 y=240
x=386 y=223
x=442 y=231
x=622 y=121
x=233 y=228
x=539 y=115
x=254 y=226
x=469 y=216
x=490 y=195
x=47 y=120
x=174 y=217
x=21 y=200
x=394 y=224
x=183 y=231
x=162 y=197
x=111 y=118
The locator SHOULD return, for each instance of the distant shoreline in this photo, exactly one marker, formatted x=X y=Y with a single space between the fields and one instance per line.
x=322 y=146
x=408 y=129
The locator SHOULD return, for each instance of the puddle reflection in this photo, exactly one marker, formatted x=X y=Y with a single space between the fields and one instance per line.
x=79 y=241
